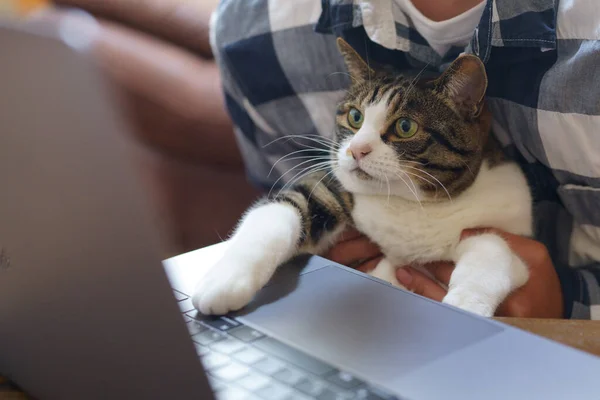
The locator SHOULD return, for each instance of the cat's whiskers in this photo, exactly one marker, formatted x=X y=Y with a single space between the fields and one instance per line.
x=412 y=162
x=334 y=168
x=418 y=176
x=285 y=157
x=414 y=186
x=322 y=166
x=323 y=144
x=323 y=138
x=319 y=139
x=300 y=175
x=326 y=142
x=304 y=170
x=403 y=160
x=309 y=158
x=434 y=178
x=389 y=189
x=320 y=158
x=468 y=167
x=411 y=189
x=341 y=73
x=303 y=175
x=292 y=168
x=325 y=157
x=318 y=182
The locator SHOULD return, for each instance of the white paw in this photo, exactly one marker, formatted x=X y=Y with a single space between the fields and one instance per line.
x=469 y=301
x=228 y=286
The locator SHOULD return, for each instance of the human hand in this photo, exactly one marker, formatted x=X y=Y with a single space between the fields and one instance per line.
x=540 y=297
x=355 y=250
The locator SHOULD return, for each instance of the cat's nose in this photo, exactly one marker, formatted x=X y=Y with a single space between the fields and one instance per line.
x=359 y=150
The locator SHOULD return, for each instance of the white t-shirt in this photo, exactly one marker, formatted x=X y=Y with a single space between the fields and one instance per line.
x=442 y=35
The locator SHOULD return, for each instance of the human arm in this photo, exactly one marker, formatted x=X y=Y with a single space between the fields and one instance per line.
x=550 y=292
x=355 y=250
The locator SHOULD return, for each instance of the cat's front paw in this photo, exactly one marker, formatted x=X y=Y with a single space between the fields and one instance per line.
x=228 y=286
x=469 y=301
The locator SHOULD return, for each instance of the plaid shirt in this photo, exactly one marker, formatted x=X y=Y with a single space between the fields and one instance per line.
x=279 y=60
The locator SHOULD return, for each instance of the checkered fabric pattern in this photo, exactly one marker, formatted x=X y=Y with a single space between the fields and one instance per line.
x=281 y=76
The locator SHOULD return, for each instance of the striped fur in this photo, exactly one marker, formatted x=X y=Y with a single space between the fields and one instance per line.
x=454 y=130
x=451 y=146
x=323 y=207
x=414 y=164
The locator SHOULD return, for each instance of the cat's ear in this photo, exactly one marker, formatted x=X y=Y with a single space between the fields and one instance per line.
x=357 y=67
x=465 y=83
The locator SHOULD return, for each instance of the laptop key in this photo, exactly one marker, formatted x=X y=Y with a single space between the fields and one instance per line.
x=371 y=394
x=214 y=360
x=298 y=396
x=310 y=386
x=269 y=366
x=254 y=381
x=222 y=324
x=232 y=393
x=293 y=356
x=231 y=372
x=201 y=350
x=179 y=296
x=207 y=337
x=249 y=355
x=344 y=380
x=246 y=333
x=185 y=305
x=331 y=394
x=216 y=386
x=289 y=376
x=274 y=391
x=194 y=327
x=227 y=346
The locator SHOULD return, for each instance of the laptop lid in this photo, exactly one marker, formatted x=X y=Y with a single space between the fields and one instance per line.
x=85 y=308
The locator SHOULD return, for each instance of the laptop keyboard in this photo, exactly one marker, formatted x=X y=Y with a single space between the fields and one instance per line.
x=245 y=364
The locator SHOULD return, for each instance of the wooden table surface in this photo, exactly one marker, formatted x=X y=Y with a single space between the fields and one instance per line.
x=583 y=335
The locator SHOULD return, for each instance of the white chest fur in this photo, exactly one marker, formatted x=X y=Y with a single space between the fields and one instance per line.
x=409 y=233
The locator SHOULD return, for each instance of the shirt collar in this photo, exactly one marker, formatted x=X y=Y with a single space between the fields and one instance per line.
x=504 y=23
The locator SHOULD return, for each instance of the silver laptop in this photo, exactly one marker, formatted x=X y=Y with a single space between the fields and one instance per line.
x=87 y=310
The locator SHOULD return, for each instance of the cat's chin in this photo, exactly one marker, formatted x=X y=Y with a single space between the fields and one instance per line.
x=358 y=181
x=362 y=174
x=352 y=182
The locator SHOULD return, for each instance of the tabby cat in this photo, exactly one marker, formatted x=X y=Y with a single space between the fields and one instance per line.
x=414 y=165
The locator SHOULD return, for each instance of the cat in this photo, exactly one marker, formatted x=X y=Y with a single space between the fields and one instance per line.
x=414 y=165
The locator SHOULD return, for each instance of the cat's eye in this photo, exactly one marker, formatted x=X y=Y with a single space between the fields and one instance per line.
x=355 y=118
x=406 y=128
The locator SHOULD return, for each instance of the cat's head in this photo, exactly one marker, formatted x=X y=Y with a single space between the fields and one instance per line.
x=408 y=137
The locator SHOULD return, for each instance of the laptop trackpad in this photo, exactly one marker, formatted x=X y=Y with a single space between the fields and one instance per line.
x=362 y=325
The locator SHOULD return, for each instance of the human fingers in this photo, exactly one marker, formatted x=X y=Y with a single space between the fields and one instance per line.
x=419 y=283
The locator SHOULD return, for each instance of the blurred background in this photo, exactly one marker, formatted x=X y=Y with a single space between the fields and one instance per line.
x=20 y=7
x=157 y=53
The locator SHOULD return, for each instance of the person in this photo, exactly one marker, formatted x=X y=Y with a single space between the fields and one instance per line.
x=282 y=76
